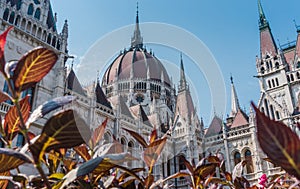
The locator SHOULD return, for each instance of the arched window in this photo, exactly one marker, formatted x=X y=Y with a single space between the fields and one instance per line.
x=267 y=107
x=288 y=78
x=30 y=9
x=130 y=150
x=292 y=77
x=123 y=142
x=277 y=65
x=12 y=17
x=277 y=115
x=269 y=83
x=34 y=28
x=298 y=75
x=181 y=162
x=5 y=14
x=277 y=82
x=169 y=166
x=17 y=21
x=106 y=138
x=262 y=70
x=28 y=28
x=19 y=4
x=273 y=83
x=49 y=38
x=23 y=24
x=237 y=158
x=249 y=165
x=37 y=13
x=272 y=111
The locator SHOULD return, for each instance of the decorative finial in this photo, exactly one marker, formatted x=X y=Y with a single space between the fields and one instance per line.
x=137 y=8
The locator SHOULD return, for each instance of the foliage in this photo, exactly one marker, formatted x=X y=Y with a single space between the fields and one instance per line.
x=103 y=165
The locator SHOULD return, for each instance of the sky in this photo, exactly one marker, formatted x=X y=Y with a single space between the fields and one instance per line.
x=227 y=31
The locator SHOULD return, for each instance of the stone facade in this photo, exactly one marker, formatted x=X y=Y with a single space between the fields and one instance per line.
x=135 y=95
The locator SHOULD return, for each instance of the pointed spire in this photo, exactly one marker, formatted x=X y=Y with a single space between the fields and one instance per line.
x=137 y=40
x=182 y=84
x=65 y=30
x=262 y=18
x=267 y=42
x=234 y=100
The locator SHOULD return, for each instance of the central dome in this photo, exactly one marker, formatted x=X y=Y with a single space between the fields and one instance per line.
x=136 y=63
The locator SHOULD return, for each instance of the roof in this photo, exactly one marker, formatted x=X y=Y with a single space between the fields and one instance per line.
x=136 y=61
x=74 y=84
x=215 y=127
x=184 y=105
x=100 y=96
x=137 y=110
x=240 y=119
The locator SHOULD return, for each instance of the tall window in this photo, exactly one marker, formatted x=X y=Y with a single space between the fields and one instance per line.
x=181 y=163
x=130 y=150
x=37 y=13
x=5 y=14
x=237 y=158
x=30 y=9
x=249 y=165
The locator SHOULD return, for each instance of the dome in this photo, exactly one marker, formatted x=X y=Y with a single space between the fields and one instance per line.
x=136 y=64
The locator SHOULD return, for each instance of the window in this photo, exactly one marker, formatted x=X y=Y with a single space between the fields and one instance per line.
x=6 y=89
x=19 y=3
x=37 y=13
x=277 y=82
x=272 y=111
x=130 y=150
x=269 y=83
x=181 y=162
x=273 y=83
x=237 y=158
x=5 y=14
x=30 y=9
x=249 y=165
x=12 y=17
x=262 y=70
x=277 y=115
x=277 y=65
x=20 y=140
x=298 y=75
x=292 y=77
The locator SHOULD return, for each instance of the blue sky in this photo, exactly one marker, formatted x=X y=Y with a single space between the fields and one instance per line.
x=228 y=28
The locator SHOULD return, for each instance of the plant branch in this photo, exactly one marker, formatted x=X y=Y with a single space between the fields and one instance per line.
x=43 y=175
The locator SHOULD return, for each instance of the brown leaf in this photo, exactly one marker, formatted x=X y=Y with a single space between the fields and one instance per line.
x=12 y=119
x=4 y=183
x=3 y=96
x=10 y=159
x=148 y=181
x=98 y=133
x=228 y=176
x=153 y=151
x=63 y=130
x=69 y=164
x=279 y=142
x=187 y=164
x=213 y=159
x=32 y=67
x=137 y=137
x=153 y=135
x=83 y=152
x=204 y=170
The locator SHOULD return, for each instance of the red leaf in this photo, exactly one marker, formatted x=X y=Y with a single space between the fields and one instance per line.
x=279 y=142
x=83 y=152
x=3 y=37
x=32 y=67
x=99 y=132
x=12 y=119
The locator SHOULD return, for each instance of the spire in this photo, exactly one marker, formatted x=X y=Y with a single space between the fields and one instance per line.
x=65 y=30
x=234 y=100
x=182 y=84
x=262 y=18
x=137 y=40
x=267 y=43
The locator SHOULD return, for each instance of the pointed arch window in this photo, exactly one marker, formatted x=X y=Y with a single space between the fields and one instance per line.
x=237 y=158
x=5 y=14
x=130 y=150
x=123 y=142
x=30 y=9
x=12 y=17
x=277 y=82
x=37 y=13
x=19 y=4
x=181 y=162
x=249 y=165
